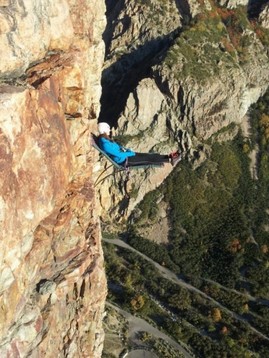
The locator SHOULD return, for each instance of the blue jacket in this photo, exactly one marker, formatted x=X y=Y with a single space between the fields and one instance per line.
x=114 y=150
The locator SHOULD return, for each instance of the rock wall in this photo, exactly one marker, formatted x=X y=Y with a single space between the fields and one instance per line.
x=52 y=280
x=233 y=3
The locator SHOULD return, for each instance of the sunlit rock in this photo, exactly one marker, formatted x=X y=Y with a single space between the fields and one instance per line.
x=52 y=280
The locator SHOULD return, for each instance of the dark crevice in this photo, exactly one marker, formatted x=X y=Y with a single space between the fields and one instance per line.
x=121 y=78
x=185 y=11
x=181 y=101
x=255 y=8
x=39 y=81
x=40 y=285
x=113 y=9
x=82 y=289
x=75 y=291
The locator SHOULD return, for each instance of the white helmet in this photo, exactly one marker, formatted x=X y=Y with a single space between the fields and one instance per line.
x=103 y=128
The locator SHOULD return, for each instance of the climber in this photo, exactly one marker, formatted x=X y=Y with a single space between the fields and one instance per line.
x=125 y=156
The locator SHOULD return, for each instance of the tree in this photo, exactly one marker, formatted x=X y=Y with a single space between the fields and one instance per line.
x=180 y=300
x=216 y=314
x=137 y=302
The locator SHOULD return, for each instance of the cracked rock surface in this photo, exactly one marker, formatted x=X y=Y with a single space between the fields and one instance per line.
x=52 y=280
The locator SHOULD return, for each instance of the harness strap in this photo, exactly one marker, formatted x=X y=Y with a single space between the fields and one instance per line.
x=127 y=178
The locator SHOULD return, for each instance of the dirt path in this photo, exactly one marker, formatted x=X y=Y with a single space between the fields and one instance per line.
x=138 y=324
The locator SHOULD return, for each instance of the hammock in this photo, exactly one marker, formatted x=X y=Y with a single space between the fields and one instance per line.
x=96 y=146
x=118 y=167
x=125 y=165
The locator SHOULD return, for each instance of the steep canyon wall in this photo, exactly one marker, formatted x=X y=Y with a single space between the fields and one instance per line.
x=178 y=74
x=52 y=281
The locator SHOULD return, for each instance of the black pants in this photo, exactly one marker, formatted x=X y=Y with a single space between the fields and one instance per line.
x=147 y=159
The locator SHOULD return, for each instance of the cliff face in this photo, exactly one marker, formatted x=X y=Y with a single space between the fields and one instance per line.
x=178 y=85
x=52 y=281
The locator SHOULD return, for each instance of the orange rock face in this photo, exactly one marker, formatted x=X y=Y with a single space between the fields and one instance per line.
x=52 y=281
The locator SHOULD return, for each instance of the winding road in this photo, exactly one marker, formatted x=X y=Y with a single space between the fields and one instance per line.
x=169 y=275
x=138 y=324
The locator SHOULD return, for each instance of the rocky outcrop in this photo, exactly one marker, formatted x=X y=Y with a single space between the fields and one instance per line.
x=264 y=16
x=209 y=66
x=233 y=3
x=52 y=281
x=43 y=29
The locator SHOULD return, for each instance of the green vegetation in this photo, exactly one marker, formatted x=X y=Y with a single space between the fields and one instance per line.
x=156 y=12
x=225 y=34
x=192 y=47
x=208 y=216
